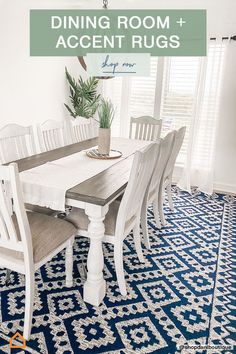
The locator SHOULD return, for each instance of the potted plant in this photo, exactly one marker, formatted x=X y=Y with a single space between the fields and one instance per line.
x=83 y=96
x=106 y=114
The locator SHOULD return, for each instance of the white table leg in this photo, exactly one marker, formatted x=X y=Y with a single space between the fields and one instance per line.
x=95 y=285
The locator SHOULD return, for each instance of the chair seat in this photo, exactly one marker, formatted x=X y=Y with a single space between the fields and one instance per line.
x=47 y=232
x=80 y=220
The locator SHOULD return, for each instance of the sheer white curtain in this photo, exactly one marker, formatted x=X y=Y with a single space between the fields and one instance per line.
x=200 y=155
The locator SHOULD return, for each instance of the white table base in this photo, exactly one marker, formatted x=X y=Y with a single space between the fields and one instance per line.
x=95 y=285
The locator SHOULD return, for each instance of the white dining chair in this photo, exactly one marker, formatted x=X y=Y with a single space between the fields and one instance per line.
x=166 y=180
x=52 y=134
x=145 y=128
x=124 y=216
x=81 y=129
x=29 y=240
x=151 y=195
x=16 y=142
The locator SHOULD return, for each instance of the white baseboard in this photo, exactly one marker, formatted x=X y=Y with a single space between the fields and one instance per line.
x=225 y=188
x=218 y=186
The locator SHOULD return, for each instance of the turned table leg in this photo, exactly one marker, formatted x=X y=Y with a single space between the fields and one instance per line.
x=95 y=285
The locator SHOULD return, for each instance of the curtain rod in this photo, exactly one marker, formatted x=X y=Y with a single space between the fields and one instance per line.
x=233 y=38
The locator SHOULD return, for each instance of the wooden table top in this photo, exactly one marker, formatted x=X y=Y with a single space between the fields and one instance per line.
x=99 y=189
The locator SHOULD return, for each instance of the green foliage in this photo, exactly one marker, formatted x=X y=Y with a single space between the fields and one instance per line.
x=106 y=113
x=83 y=96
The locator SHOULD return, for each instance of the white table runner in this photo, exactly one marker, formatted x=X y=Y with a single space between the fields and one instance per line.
x=46 y=185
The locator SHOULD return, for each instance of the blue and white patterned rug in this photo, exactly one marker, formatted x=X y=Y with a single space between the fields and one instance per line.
x=183 y=294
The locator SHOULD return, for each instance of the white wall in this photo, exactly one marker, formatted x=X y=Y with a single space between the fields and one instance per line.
x=34 y=89
x=225 y=170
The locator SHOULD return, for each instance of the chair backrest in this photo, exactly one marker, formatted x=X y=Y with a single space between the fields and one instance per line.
x=140 y=176
x=81 y=129
x=52 y=135
x=178 y=141
x=13 y=216
x=145 y=128
x=16 y=142
x=165 y=149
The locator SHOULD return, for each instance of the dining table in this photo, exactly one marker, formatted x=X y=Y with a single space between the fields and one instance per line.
x=93 y=194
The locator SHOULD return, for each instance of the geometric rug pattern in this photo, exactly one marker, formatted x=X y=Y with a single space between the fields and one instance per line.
x=184 y=293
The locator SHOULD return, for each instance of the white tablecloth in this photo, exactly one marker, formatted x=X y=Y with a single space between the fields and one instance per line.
x=47 y=184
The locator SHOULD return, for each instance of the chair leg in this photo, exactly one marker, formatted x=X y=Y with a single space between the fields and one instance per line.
x=69 y=264
x=156 y=213
x=29 y=304
x=160 y=205
x=169 y=194
x=118 y=257
x=144 y=226
x=8 y=275
x=137 y=242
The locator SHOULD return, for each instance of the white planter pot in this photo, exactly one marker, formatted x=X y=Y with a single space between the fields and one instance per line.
x=104 y=141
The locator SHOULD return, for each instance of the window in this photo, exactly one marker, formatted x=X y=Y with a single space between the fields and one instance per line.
x=178 y=89
x=180 y=84
x=131 y=97
x=143 y=92
x=112 y=89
